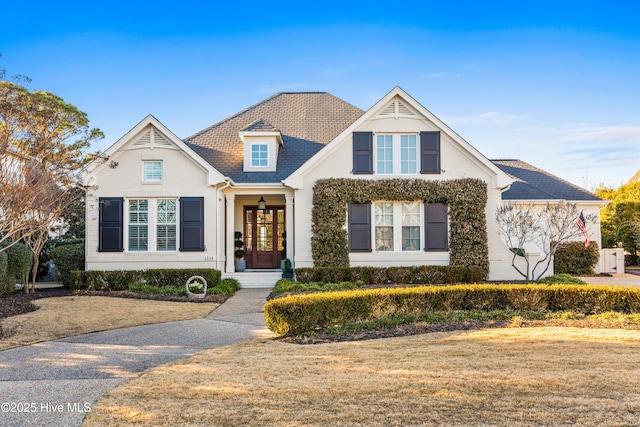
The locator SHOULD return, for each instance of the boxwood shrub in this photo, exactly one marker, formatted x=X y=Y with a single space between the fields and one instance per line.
x=297 y=314
x=421 y=275
x=119 y=280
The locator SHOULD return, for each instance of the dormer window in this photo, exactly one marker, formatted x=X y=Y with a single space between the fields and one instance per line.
x=259 y=155
x=261 y=144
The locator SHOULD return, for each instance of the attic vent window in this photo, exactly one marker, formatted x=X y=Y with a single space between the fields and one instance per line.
x=396 y=109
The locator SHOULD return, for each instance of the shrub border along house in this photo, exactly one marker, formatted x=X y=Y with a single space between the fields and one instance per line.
x=119 y=280
x=298 y=314
x=466 y=199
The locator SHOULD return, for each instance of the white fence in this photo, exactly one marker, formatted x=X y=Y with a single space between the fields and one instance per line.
x=611 y=261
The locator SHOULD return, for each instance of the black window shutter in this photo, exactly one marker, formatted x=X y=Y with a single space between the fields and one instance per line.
x=110 y=228
x=429 y=152
x=436 y=227
x=192 y=224
x=362 y=152
x=359 y=227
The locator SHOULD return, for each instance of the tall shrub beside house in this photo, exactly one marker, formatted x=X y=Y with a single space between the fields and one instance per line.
x=66 y=259
x=574 y=258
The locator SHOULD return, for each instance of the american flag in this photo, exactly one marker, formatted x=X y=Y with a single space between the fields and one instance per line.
x=580 y=222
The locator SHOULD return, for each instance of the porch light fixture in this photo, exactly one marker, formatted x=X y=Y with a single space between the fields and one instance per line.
x=262 y=205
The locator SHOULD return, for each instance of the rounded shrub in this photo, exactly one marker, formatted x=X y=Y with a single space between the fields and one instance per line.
x=20 y=261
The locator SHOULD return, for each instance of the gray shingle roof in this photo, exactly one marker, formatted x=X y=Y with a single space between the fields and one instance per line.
x=531 y=183
x=307 y=121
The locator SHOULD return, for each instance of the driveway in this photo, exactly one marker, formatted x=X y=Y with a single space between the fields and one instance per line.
x=622 y=279
x=55 y=383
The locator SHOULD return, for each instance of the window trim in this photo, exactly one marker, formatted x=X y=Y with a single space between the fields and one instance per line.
x=150 y=179
x=397 y=225
x=152 y=225
x=259 y=159
x=396 y=153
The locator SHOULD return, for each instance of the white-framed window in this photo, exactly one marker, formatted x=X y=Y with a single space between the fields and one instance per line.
x=408 y=154
x=397 y=226
x=166 y=225
x=396 y=154
x=259 y=155
x=152 y=171
x=152 y=224
x=384 y=154
x=138 y=225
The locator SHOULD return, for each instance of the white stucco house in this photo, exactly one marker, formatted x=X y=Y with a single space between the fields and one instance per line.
x=164 y=202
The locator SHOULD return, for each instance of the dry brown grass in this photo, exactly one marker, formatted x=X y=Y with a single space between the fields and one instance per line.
x=514 y=377
x=75 y=315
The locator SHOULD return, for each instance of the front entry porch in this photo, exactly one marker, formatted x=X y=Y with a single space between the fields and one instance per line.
x=266 y=230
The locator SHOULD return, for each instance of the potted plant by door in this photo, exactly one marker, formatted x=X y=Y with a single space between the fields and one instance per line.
x=287 y=271
x=283 y=252
x=239 y=263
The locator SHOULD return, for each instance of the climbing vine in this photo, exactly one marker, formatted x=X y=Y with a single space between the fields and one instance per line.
x=466 y=199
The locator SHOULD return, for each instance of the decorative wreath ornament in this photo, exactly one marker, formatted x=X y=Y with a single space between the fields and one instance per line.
x=196 y=287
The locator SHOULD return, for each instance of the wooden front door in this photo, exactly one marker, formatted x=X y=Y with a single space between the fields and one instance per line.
x=263 y=231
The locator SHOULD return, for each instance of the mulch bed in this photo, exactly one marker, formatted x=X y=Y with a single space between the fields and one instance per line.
x=400 y=331
x=18 y=302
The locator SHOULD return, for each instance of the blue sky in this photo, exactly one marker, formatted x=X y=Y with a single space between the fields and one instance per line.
x=556 y=84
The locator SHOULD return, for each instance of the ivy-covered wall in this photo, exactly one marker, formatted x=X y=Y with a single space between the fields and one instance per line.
x=467 y=199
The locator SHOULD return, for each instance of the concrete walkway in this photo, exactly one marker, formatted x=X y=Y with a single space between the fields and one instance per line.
x=55 y=383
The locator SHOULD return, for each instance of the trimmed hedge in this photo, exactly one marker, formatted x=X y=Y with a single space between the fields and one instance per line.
x=119 y=280
x=573 y=258
x=19 y=263
x=420 y=275
x=296 y=314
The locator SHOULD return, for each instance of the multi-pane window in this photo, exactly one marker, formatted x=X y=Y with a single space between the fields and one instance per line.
x=138 y=225
x=383 y=226
x=152 y=171
x=384 y=151
x=166 y=225
x=396 y=154
x=152 y=225
x=411 y=226
x=259 y=155
x=408 y=154
x=397 y=225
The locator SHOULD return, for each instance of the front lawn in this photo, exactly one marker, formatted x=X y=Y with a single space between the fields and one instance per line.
x=503 y=377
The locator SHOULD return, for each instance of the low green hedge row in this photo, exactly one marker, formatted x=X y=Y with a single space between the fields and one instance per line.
x=420 y=275
x=119 y=280
x=296 y=314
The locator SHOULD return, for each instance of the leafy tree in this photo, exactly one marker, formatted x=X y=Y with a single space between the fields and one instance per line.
x=620 y=220
x=547 y=228
x=44 y=142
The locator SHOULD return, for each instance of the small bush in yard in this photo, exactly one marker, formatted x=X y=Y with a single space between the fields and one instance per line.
x=563 y=278
x=227 y=286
